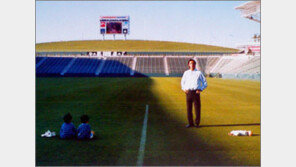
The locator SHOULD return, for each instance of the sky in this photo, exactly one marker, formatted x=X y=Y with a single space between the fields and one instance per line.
x=201 y=22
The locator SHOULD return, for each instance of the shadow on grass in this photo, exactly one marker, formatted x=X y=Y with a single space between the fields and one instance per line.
x=118 y=110
x=96 y=137
x=223 y=125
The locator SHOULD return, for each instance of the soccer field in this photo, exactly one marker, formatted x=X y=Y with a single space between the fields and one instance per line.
x=116 y=107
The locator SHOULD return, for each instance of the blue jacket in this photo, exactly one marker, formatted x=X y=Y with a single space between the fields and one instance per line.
x=67 y=131
x=84 y=131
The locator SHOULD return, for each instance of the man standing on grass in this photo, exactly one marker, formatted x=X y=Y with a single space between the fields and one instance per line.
x=193 y=82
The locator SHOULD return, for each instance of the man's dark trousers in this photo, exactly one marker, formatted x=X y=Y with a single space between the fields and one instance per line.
x=193 y=97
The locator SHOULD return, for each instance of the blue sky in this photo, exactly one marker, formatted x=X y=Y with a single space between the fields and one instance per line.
x=213 y=22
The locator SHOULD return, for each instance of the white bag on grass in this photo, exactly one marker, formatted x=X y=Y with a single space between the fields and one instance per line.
x=48 y=133
x=240 y=133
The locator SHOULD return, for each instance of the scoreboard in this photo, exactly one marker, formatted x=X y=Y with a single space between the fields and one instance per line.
x=114 y=25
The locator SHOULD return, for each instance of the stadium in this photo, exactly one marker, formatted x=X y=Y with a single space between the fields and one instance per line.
x=226 y=63
x=131 y=91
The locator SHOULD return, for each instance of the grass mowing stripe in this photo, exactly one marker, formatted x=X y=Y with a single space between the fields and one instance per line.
x=143 y=139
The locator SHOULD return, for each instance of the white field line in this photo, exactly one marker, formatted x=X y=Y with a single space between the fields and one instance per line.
x=143 y=139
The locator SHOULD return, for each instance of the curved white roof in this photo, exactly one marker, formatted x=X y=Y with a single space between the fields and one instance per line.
x=250 y=10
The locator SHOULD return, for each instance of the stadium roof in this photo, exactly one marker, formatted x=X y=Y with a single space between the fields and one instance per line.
x=250 y=10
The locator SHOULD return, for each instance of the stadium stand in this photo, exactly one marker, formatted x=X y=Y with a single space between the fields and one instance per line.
x=62 y=54
x=236 y=66
x=229 y=63
x=202 y=62
x=83 y=67
x=150 y=66
x=53 y=66
x=117 y=66
x=250 y=67
x=38 y=59
x=177 y=65
x=211 y=62
x=220 y=65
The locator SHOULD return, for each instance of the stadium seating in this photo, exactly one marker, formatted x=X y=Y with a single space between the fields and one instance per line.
x=117 y=66
x=177 y=65
x=150 y=66
x=53 y=66
x=231 y=63
x=83 y=67
x=147 y=65
x=211 y=63
x=38 y=59
x=202 y=62
x=250 y=67
x=220 y=65
x=239 y=65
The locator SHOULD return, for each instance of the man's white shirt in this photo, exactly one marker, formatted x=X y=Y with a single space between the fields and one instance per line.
x=193 y=80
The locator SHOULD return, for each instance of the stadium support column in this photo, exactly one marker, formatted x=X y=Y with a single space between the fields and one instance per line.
x=165 y=63
x=68 y=66
x=98 y=71
x=132 y=72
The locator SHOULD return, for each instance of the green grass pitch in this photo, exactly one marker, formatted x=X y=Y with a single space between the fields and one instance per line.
x=116 y=107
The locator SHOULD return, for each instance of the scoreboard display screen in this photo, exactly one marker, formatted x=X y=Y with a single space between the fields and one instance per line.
x=114 y=25
x=114 y=28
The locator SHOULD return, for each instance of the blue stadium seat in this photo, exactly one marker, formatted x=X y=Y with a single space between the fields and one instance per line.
x=83 y=67
x=52 y=66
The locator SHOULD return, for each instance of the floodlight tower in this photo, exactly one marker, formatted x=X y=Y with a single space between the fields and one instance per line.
x=250 y=10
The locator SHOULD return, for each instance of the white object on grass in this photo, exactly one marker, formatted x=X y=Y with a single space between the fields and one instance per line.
x=48 y=134
x=240 y=133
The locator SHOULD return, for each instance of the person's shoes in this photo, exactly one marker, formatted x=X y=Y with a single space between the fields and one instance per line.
x=188 y=126
x=197 y=126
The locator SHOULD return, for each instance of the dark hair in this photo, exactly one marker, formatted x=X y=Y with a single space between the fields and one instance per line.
x=84 y=119
x=67 y=118
x=192 y=60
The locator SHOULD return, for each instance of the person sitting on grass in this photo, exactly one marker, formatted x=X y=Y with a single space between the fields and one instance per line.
x=84 y=130
x=68 y=130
